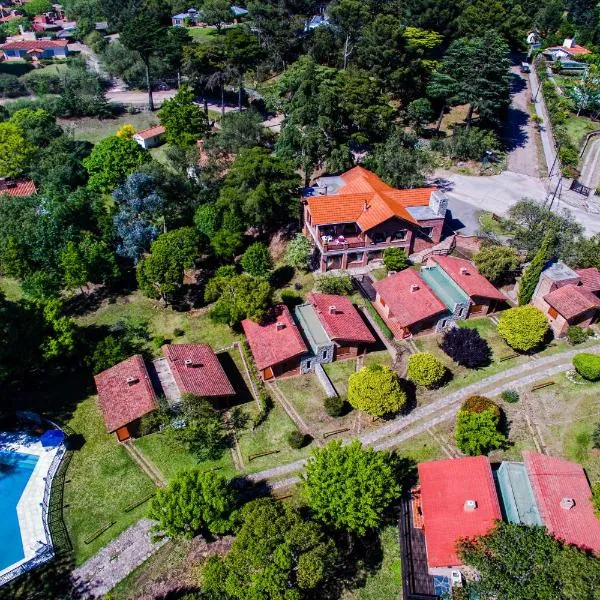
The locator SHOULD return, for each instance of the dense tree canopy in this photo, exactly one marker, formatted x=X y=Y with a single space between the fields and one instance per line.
x=184 y=121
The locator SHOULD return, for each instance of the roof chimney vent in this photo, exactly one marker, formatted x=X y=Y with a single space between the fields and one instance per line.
x=414 y=287
x=569 y=42
x=279 y=326
x=470 y=505
x=567 y=503
x=464 y=271
x=332 y=310
x=132 y=380
x=191 y=363
x=390 y=273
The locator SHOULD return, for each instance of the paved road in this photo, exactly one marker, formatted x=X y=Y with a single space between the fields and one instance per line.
x=519 y=132
x=590 y=171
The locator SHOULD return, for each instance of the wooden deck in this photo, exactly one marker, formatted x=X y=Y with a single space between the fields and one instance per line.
x=417 y=584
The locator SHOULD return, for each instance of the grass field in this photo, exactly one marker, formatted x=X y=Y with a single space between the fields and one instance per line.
x=202 y=35
x=578 y=128
x=93 y=130
x=101 y=481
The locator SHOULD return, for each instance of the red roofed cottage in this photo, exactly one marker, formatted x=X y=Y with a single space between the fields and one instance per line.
x=150 y=138
x=125 y=394
x=276 y=343
x=35 y=48
x=458 y=499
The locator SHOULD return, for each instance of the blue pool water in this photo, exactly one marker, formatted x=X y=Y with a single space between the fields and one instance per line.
x=15 y=471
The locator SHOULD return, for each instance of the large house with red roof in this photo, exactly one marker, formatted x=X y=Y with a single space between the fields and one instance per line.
x=276 y=343
x=41 y=49
x=17 y=188
x=126 y=394
x=445 y=290
x=568 y=297
x=353 y=218
x=129 y=390
x=568 y=50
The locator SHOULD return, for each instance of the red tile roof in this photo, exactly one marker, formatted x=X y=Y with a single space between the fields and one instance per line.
x=203 y=376
x=408 y=304
x=572 y=300
x=575 y=50
x=342 y=324
x=554 y=479
x=271 y=345
x=19 y=188
x=366 y=200
x=590 y=278
x=34 y=45
x=465 y=274
x=151 y=132
x=121 y=401
x=445 y=487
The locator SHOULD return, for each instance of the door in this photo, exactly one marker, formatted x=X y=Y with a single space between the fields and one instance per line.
x=477 y=308
x=123 y=434
x=268 y=373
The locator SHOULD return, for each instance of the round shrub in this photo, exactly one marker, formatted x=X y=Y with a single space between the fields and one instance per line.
x=296 y=439
x=478 y=432
x=523 y=328
x=334 y=406
x=596 y=436
x=587 y=365
x=425 y=369
x=477 y=404
x=466 y=347
x=395 y=259
x=376 y=390
x=178 y=332
x=576 y=335
x=510 y=396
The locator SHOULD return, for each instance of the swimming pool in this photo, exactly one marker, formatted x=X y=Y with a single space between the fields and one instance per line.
x=15 y=471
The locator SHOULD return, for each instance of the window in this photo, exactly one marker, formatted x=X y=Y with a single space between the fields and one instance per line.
x=427 y=231
x=400 y=235
x=552 y=313
x=378 y=238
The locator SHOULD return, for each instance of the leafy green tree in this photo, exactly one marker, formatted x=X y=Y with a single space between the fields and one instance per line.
x=277 y=554
x=16 y=151
x=298 y=252
x=260 y=190
x=194 y=503
x=239 y=130
x=475 y=71
x=144 y=34
x=37 y=7
x=160 y=275
x=112 y=160
x=41 y=285
x=238 y=297
x=532 y=273
x=497 y=263
x=523 y=328
x=335 y=284
x=478 y=432
x=174 y=47
x=350 y=487
x=226 y=243
x=400 y=161
x=108 y=352
x=520 y=561
x=60 y=330
x=376 y=390
x=204 y=433
x=425 y=369
x=256 y=260
x=184 y=122
x=395 y=259
x=38 y=126
x=418 y=113
x=349 y=16
x=75 y=271
x=217 y=13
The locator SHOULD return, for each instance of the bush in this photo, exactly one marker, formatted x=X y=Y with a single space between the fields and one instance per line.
x=334 y=406
x=596 y=498
x=296 y=439
x=298 y=252
x=158 y=341
x=477 y=404
x=256 y=260
x=376 y=390
x=470 y=144
x=466 y=347
x=41 y=82
x=395 y=259
x=596 y=436
x=510 y=396
x=478 y=432
x=523 y=328
x=331 y=284
x=587 y=365
x=576 y=335
x=177 y=332
x=497 y=263
x=425 y=369
x=10 y=86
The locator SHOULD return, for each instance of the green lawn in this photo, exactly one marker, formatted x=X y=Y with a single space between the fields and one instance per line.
x=339 y=372
x=578 y=128
x=202 y=35
x=101 y=481
x=93 y=130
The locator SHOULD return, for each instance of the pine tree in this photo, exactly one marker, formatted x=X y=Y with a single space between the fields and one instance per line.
x=532 y=274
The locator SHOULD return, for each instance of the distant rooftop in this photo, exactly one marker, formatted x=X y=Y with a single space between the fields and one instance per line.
x=516 y=496
x=560 y=272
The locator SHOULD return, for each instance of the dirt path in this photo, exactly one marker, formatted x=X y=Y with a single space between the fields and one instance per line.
x=145 y=464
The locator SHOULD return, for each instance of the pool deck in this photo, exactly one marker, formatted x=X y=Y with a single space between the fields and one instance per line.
x=31 y=512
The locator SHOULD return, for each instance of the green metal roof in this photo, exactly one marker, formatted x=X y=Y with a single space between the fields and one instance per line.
x=443 y=286
x=516 y=496
x=311 y=325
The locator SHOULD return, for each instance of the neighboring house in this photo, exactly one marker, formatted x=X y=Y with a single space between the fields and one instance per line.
x=45 y=22
x=184 y=19
x=333 y=328
x=125 y=394
x=40 y=49
x=194 y=369
x=17 y=187
x=238 y=12
x=276 y=343
x=407 y=304
x=317 y=21
x=150 y=138
x=568 y=297
x=446 y=290
x=569 y=49
x=353 y=218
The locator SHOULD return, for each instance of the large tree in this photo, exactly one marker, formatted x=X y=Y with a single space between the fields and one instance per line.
x=376 y=390
x=184 y=121
x=277 y=554
x=16 y=151
x=349 y=487
x=526 y=563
